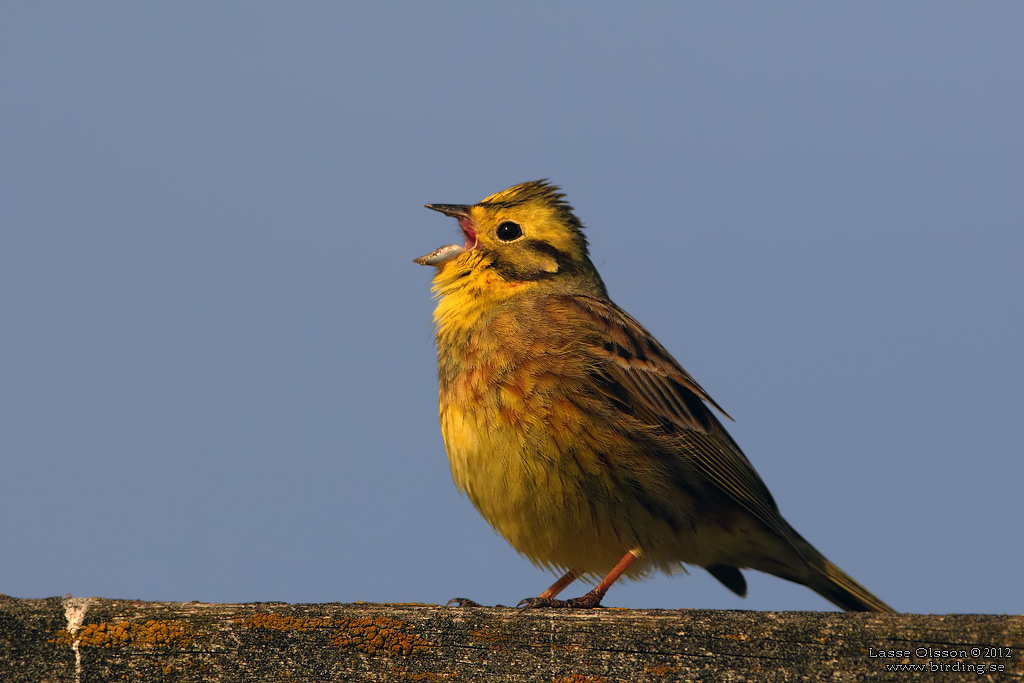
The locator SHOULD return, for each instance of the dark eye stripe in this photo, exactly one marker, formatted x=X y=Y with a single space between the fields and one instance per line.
x=563 y=262
x=548 y=250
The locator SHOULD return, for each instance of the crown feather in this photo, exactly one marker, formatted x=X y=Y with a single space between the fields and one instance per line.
x=536 y=190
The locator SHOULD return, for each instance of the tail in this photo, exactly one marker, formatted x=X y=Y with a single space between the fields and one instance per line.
x=836 y=586
x=810 y=568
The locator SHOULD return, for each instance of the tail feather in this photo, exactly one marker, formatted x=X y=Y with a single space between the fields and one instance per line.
x=730 y=577
x=809 y=567
x=836 y=586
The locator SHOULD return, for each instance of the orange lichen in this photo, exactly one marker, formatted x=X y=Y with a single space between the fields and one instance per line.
x=62 y=637
x=494 y=638
x=580 y=678
x=427 y=676
x=736 y=636
x=150 y=634
x=276 y=622
x=379 y=634
x=373 y=635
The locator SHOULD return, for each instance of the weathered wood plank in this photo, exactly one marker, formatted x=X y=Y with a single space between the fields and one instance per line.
x=94 y=640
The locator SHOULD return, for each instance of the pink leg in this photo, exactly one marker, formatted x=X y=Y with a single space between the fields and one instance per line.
x=591 y=599
x=560 y=585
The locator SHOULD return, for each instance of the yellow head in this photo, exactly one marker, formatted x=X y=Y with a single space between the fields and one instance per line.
x=523 y=238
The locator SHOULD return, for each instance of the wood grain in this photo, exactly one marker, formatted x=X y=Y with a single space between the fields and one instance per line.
x=121 y=640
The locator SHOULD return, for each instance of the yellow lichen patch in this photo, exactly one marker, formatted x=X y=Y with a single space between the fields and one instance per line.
x=148 y=635
x=276 y=622
x=62 y=637
x=373 y=635
x=379 y=634
x=426 y=676
x=492 y=637
x=743 y=637
x=580 y=678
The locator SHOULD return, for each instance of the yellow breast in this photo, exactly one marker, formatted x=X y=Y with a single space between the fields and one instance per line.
x=533 y=444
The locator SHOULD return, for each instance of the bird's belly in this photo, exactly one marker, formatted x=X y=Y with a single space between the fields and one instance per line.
x=561 y=508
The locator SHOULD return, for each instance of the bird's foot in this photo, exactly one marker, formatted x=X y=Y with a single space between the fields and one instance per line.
x=588 y=601
x=462 y=602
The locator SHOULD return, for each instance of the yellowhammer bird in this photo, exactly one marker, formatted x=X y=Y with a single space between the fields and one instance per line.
x=575 y=433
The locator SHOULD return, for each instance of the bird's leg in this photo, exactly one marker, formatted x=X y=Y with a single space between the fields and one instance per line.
x=591 y=599
x=560 y=585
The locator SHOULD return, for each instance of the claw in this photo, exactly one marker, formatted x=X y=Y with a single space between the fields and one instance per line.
x=589 y=601
x=462 y=602
x=536 y=603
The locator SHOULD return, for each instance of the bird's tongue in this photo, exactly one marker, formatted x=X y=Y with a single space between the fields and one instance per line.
x=450 y=251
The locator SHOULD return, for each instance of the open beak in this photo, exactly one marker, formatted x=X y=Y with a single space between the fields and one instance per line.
x=448 y=252
x=459 y=211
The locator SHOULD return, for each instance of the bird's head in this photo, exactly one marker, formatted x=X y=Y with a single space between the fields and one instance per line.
x=525 y=234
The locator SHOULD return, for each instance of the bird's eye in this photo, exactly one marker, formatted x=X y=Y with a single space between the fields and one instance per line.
x=509 y=231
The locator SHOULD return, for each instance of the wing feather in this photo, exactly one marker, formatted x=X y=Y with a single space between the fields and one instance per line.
x=639 y=375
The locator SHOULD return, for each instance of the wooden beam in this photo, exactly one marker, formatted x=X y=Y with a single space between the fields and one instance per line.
x=83 y=640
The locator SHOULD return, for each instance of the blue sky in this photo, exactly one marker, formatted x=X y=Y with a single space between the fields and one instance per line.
x=217 y=368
